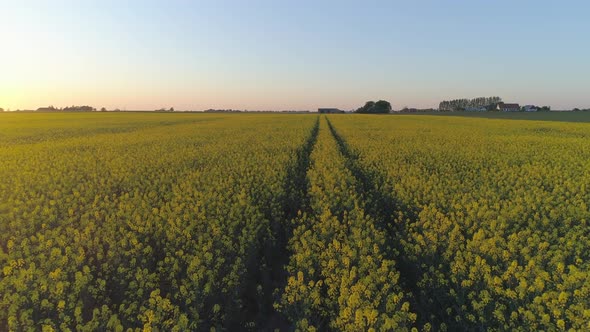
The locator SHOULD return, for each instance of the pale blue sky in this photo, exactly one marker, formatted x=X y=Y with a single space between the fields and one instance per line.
x=292 y=54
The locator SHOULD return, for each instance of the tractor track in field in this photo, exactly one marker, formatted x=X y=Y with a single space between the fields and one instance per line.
x=270 y=272
x=383 y=207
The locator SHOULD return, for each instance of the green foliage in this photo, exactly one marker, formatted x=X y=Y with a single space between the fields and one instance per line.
x=545 y=108
x=462 y=104
x=534 y=116
x=379 y=107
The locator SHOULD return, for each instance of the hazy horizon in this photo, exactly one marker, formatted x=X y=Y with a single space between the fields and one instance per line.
x=265 y=55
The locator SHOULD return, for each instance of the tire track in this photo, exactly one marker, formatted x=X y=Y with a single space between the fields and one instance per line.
x=270 y=272
x=383 y=208
x=341 y=277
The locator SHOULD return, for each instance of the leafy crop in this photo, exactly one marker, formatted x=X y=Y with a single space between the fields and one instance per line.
x=175 y=222
x=159 y=227
x=339 y=275
x=492 y=217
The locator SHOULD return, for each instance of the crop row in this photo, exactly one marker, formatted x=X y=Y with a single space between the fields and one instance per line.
x=161 y=228
x=252 y=222
x=340 y=275
x=491 y=219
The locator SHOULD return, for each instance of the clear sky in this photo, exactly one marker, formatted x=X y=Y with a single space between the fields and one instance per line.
x=276 y=54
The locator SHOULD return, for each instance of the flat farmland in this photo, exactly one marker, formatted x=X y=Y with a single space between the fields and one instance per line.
x=173 y=222
x=561 y=116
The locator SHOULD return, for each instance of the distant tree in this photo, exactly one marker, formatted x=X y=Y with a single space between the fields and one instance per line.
x=382 y=106
x=462 y=104
x=545 y=109
x=379 y=107
x=1 y=109
x=576 y=109
x=103 y=109
x=165 y=110
x=74 y=108
x=367 y=108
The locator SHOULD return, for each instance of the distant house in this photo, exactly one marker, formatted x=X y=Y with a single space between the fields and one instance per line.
x=47 y=109
x=504 y=107
x=530 y=108
x=329 y=110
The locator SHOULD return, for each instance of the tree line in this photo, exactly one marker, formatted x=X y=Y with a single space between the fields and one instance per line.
x=462 y=104
x=72 y=108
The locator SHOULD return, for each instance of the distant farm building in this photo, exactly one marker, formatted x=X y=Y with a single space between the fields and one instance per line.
x=329 y=110
x=504 y=107
x=47 y=109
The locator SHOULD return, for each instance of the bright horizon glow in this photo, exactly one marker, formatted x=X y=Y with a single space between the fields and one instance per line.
x=269 y=55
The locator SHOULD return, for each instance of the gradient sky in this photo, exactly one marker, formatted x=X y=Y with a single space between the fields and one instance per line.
x=291 y=54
